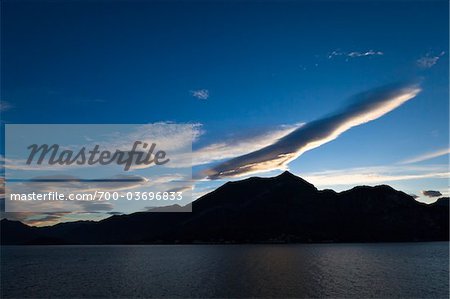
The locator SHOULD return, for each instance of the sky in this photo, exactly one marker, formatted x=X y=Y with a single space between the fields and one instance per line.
x=245 y=74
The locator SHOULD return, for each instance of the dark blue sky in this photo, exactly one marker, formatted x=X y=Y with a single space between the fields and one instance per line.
x=263 y=64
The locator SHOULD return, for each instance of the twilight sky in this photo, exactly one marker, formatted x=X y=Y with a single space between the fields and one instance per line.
x=247 y=73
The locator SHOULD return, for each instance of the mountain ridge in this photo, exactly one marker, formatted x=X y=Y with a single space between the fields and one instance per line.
x=284 y=208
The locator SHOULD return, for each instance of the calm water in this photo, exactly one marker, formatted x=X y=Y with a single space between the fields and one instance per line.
x=344 y=270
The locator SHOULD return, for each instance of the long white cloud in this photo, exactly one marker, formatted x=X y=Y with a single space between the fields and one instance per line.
x=367 y=106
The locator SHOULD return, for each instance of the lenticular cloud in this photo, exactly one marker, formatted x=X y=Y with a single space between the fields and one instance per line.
x=366 y=107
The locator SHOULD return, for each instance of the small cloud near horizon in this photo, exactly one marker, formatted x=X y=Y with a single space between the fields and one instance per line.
x=431 y=193
x=201 y=94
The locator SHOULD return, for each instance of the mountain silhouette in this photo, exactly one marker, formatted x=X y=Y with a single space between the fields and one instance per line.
x=281 y=209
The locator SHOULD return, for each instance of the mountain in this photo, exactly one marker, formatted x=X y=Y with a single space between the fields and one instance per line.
x=284 y=208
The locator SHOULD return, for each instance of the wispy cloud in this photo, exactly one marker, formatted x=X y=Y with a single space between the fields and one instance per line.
x=375 y=175
x=427 y=156
x=4 y=106
x=431 y=193
x=201 y=94
x=354 y=54
x=429 y=60
x=368 y=106
x=52 y=183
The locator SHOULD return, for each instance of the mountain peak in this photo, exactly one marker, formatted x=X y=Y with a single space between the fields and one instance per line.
x=286 y=173
x=288 y=176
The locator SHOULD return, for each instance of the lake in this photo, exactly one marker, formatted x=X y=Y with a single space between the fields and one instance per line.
x=301 y=270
